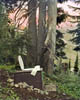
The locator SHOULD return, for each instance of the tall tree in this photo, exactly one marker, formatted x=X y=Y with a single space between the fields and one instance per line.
x=33 y=32
x=51 y=36
x=41 y=30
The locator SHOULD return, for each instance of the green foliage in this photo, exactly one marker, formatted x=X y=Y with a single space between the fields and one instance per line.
x=9 y=68
x=3 y=32
x=69 y=66
x=3 y=24
x=12 y=42
x=32 y=98
x=68 y=83
x=76 y=64
x=7 y=93
x=46 y=80
x=60 y=45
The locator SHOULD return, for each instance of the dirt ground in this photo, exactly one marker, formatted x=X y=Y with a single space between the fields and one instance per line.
x=27 y=94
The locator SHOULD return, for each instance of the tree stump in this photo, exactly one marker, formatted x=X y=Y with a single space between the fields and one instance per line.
x=25 y=76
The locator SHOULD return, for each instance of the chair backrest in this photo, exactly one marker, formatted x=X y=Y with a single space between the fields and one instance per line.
x=33 y=70
x=21 y=62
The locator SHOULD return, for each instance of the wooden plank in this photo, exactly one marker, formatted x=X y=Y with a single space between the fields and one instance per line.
x=28 y=70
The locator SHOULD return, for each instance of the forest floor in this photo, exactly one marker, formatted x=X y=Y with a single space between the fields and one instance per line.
x=29 y=94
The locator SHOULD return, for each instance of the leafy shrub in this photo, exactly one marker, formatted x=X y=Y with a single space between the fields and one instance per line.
x=68 y=83
x=12 y=42
x=7 y=94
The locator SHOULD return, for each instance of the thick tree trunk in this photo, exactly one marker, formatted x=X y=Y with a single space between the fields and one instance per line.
x=41 y=30
x=33 y=33
x=50 y=41
x=43 y=52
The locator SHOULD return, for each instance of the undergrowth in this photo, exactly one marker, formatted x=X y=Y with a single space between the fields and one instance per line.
x=7 y=93
x=9 y=68
x=66 y=82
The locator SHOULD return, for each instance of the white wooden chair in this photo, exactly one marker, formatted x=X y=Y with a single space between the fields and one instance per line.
x=32 y=70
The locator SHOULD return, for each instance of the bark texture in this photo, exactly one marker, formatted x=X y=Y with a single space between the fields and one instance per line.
x=41 y=29
x=33 y=32
x=50 y=41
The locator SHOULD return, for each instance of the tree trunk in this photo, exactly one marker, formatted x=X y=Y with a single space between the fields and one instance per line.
x=41 y=30
x=50 y=41
x=33 y=33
